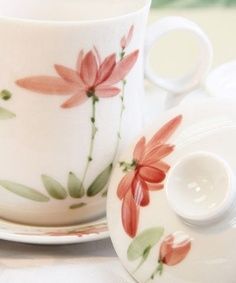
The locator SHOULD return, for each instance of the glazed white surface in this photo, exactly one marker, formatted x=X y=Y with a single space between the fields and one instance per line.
x=70 y=10
x=207 y=126
x=97 y=262
x=200 y=188
x=46 y=139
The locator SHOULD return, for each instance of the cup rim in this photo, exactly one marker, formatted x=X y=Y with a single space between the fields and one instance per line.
x=18 y=20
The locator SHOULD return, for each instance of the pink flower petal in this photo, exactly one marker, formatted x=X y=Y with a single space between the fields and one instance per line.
x=162 y=166
x=155 y=187
x=89 y=69
x=130 y=35
x=171 y=253
x=47 y=85
x=140 y=191
x=157 y=153
x=125 y=185
x=139 y=150
x=69 y=75
x=122 y=68
x=79 y=61
x=166 y=248
x=125 y=41
x=164 y=133
x=106 y=91
x=130 y=215
x=99 y=60
x=106 y=68
x=77 y=99
x=151 y=174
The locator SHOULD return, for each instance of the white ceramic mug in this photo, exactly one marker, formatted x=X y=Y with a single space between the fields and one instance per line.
x=75 y=72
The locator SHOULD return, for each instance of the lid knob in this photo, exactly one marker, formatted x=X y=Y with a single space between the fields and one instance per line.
x=200 y=188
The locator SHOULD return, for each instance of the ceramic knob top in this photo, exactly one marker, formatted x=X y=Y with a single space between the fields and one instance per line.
x=200 y=188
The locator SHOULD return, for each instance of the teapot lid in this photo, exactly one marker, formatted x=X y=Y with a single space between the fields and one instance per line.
x=154 y=242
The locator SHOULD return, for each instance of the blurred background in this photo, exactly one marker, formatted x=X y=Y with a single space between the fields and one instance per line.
x=176 y=52
x=192 y=3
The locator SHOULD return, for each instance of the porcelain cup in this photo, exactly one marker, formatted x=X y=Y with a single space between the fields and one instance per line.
x=72 y=96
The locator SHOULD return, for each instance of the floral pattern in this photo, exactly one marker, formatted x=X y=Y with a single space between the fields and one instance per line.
x=100 y=228
x=56 y=190
x=124 y=43
x=173 y=249
x=45 y=234
x=92 y=79
x=144 y=174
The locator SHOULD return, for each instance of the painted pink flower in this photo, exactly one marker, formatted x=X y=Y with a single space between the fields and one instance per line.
x=130 y=214
x=145 y=173
x=125 y=41
x=81 y=233
x=92 y=77
x=174 y=249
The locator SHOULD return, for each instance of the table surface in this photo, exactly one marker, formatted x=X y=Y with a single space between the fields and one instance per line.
x=96 y=262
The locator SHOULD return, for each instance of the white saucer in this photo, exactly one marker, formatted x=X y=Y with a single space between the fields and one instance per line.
x=79 y=233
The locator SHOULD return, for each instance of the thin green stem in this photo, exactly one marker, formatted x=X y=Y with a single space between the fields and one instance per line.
x=92 y=139
x=122 y=97
x=144 y=258
x=158 y=270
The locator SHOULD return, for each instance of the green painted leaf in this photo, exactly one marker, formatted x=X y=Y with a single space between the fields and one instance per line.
x=100 y=182
x=5 y=94
x=54 y=188
x=24 y=191
x=75 y=186
x=6 y=114
x=77 y=205
x=141 y=245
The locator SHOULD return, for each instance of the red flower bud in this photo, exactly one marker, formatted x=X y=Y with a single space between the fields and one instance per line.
x=174 y=249
x=125 y=41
